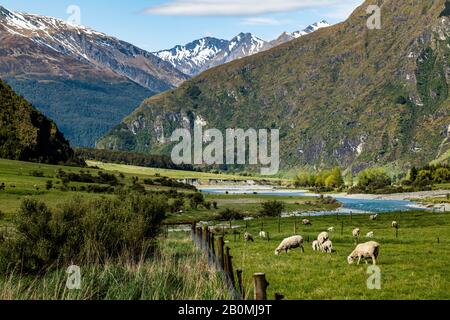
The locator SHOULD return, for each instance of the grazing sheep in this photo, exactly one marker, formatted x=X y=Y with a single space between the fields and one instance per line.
x=248 y=237
x=356 y=232
x=315 y=245
x=331 y=229
x=263 y=235
x=373 y=217
x=366 y=250
x=290 y=243
x=395 y=224
x=327 y=246
x=370 y=234
x=306 y=222
x=322 y=237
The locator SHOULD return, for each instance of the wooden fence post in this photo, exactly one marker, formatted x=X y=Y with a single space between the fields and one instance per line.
x=279 y=224
x=193 y=233
x=200 y=237
x=396 y=233
x=342 y=228
x=205 y=238
x=212 y=246
x=260 y=285
x=240 y=283
x=220 y=255
x=230 y=267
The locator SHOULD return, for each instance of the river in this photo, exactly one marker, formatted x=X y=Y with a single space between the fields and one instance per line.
x=349 y=204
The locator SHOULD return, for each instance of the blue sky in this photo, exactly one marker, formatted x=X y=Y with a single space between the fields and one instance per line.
x=160 y=24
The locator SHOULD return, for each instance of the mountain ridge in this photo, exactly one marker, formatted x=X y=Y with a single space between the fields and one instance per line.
x=27 y=135
x=84 y=80
x=344 y=95
x=208 y=52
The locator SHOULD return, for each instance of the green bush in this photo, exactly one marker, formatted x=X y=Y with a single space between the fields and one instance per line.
x=271 y=208
x=196 y=199
x=229 y=215
x=82 y=232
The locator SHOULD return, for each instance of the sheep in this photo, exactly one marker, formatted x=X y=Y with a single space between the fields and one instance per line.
x=306 y=222
x=322 y=237
x=331 y=229
x=315 y=245
x=327 y=246
x=394 y=224
x=369 y=249
x=248 y=237
x=356 y=232
x=373 y=217
x=370 y=234
x=263 y=235
x=290 y=243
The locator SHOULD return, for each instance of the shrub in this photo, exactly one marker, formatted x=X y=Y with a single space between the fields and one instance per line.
x=375 y=178
x=229 y=214
x=214 y=204
x=49 y=185
x=82 y=232
x=272 y=208
x=37 y=173
x=196 y=199
x=207 y=205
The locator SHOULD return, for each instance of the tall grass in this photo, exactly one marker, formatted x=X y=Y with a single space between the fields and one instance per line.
x=178 y=272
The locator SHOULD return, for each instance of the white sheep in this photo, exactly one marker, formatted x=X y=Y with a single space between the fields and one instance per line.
x=248 y=237
x=263 y=235
x=373 y=217
x=366 y=250
x=394 y=224
x=322 y=237
x=306 y=222
x=356 y=232
x=370 y=234
x=331 y=229
x=290 y=243
x=315 y=245
x=327 y=246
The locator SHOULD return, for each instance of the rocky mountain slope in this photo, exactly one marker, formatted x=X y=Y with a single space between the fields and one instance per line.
x=344 y=95
x=205 y=53
x=25 y=134
x=85 y=80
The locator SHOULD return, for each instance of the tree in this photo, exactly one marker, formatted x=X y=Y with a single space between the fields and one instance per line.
x=375 y=178
x=49 y=184
x=196 y=200
x=272 y=208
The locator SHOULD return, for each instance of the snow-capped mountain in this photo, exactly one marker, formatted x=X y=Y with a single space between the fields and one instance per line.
x=84 y=80
x=289 y=36
x=209 y=52
x=200 y=55
x=88 y=46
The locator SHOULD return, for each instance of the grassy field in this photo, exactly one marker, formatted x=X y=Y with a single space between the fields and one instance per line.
x=174 y=174
x=414 y=266
x=249 y=205
x=20 y=183
x=179 y=272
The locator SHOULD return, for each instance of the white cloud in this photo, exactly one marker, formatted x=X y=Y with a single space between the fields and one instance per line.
x=234 y=7
x=261 y=21
x=343 y=10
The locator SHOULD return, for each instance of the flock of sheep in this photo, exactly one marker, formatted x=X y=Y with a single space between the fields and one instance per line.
x=368 y=250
